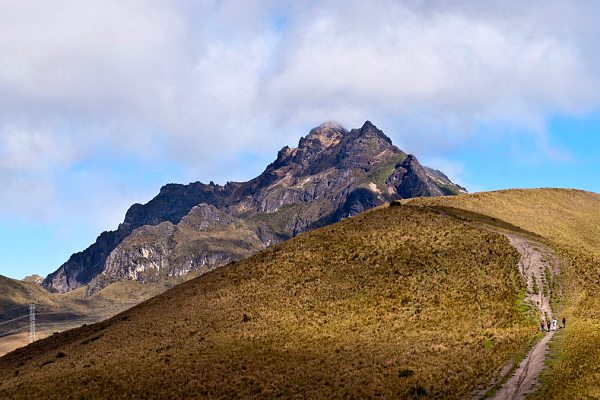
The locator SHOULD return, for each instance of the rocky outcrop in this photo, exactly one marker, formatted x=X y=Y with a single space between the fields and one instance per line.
x=34 y=279
x=204 y=239
x=332 y=174
x=172 y=203
x=443 y=182
x=410 y=180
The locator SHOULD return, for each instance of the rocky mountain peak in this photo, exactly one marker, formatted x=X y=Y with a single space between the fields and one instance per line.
x=330 y=144
x=368 y=130
x=328 y=133
x=324 y=136
x=332 y=174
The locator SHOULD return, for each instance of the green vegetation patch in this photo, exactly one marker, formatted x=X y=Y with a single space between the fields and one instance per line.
x=380 y=173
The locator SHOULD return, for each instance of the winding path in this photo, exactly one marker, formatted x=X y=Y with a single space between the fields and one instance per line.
x=537 y=265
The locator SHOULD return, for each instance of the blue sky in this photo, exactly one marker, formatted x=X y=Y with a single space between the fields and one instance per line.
x=575 y=164
x=102 y=103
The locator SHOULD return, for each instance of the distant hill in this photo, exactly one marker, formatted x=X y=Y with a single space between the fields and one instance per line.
x=35 y=279
x=331 y=175
x=17 y=295
x=57 y=312
x=397 y=302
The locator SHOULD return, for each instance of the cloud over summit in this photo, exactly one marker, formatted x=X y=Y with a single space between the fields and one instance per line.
x=85 y=85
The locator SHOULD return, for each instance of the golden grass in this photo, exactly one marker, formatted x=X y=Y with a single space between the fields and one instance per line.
x=13 y=342
x=569 y=220
x=59 y=312
x=566 y=216
x=396 y=302
x=17 y=294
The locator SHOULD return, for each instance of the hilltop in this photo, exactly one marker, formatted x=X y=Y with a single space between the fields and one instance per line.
x=569 y=222
x=396 y=302
x=17 y=295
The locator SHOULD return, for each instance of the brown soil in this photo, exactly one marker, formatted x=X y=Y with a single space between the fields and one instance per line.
x=536 y=259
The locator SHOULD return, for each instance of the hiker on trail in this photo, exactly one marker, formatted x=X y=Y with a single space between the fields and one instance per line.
x=549 y=323
x=554 y=324
x=542 y=326
x=564 y=322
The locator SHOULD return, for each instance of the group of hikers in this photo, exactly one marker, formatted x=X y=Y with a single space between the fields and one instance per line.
x=552 y=325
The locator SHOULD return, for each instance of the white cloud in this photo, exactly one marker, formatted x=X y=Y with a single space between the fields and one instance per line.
x=390 y=59
x=198 y=83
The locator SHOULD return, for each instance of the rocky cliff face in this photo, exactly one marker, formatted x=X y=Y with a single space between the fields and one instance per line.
x=331 y=175
x=172 y=203
x=204 y=239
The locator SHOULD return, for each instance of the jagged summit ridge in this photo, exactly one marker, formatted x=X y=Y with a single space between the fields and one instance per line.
x=328 y=134
x=334 y=173
x=332 y=146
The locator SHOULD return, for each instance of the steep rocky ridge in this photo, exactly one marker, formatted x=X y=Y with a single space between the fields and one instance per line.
x=332 y=174
x=204 y=239
x=442 y=181
x=172 y=203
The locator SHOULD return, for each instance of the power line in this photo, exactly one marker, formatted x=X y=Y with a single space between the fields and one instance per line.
x=14 y=319
x=26 y=309
x=37 y=314
x=59 y=322
x=68 y=322
x=12 y=332
x=54 y=312
x=48 y=324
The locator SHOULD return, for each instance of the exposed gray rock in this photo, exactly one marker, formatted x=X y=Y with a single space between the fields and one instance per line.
x=332 y=174
x=204 y=239
x=410 y=180
x=35 y=279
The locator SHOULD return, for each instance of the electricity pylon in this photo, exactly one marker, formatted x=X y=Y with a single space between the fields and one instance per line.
x=31 y=323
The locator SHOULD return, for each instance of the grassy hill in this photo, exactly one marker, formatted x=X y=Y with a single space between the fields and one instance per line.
x=15 y=297
x=58 y=312
x=397 y=302
x=569 y=220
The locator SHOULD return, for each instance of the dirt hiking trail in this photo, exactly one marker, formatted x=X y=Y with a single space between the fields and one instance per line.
x=539 y=268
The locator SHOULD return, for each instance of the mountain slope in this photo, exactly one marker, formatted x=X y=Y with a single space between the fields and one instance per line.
x=170 y=205
x=57 y=312
x=331 y=175
x=17 y=295
x=569 y=220
x=396 y=302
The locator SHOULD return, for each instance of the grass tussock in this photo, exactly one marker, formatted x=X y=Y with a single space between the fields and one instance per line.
x=569 y=220
x=397 y=302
